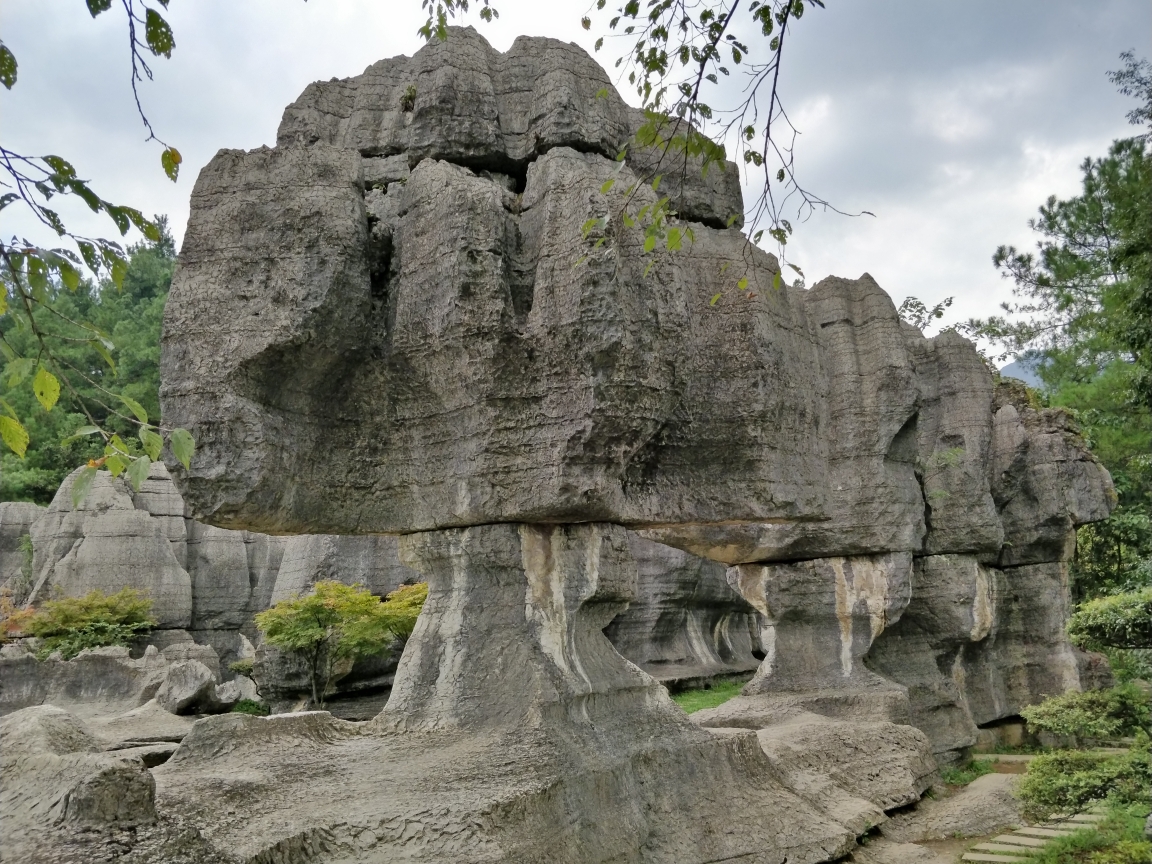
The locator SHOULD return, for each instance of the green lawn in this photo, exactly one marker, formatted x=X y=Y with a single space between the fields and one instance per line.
x=717 y=694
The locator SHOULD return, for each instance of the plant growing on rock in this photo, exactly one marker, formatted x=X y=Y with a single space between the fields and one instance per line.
x=71 y=624
x=338 y=623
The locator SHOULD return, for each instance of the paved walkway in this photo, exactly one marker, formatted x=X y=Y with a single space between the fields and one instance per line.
x=1023 y=843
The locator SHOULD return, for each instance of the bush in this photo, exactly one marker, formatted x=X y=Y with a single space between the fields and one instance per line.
x=1068 y=781
x=13 y=618
x=1117 y=621
x=1094 y=714
x=340 y=622
x=964 y=776
x=251 y=706
x=71 y=624
x=1119 y=839
x=242 y=667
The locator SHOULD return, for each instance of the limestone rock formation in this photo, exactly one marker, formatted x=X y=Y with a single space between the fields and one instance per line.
x=686 y=624
x=397 y=321
x=55 y=778
x=16 y=518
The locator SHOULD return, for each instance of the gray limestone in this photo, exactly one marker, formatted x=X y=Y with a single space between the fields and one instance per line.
x=982 y=807
x=820 y=619
x=16 y=518
x=686 y=623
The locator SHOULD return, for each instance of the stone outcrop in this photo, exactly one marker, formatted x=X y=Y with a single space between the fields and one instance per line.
x=686 y=624
x=423 y=314
x=55 y=779
x=16 y=518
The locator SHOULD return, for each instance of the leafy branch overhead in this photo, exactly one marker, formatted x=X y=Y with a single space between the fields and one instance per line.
x=32 y=273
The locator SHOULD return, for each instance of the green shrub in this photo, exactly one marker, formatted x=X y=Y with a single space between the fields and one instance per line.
x=1114 y=841
x=964 y=776
x=1117 y=621
x=251 y=706
x=1068 y=781
x=1094 y=714
x=242 y=667
x=71 y=624
x=710 y=697
x=339 y=622
x=1130 y=665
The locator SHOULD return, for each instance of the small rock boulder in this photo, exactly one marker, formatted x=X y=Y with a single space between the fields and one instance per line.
x=188 y=685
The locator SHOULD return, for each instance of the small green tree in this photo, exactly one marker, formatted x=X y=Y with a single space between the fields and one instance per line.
x=339 y=622
x=96 y=620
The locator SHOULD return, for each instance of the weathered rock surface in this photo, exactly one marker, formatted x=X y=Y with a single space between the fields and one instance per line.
x=16 y=518
x=55 y=779
x=686 y=623
x=510 y=716
x=982 y=807
x=372 y=561
x=821 y=617
x=187 y=685
x=881 y=851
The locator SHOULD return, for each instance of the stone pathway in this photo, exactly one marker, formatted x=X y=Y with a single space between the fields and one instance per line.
x=1023 y=843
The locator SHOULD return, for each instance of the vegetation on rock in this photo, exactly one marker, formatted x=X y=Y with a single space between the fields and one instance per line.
x=340 y=623
x=966 y=774
x=96 y=620
x=251 y=706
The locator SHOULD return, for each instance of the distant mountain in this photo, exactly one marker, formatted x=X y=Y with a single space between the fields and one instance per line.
x=1024 y=371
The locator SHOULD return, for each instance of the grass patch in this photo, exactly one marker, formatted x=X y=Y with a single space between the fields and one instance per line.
x=1118 y=840
x=964 y=776
x=717 y=694
x=251 y=706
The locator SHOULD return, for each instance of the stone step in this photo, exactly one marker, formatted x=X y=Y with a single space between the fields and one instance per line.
x=993 y=859
x=1019 y=841
x=1040 y=832
x=1004 y=848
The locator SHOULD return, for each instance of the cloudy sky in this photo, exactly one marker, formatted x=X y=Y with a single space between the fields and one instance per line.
x=951 y=120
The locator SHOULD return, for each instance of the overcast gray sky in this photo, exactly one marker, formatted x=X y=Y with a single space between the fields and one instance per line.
x=951 y=120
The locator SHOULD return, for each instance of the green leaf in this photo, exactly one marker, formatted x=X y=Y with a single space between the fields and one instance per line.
x=136 y=408
x=649 y=243
x=588 y=226
x=99 y=347
x=19 y=369
x=115 y=464
x=673 y=240
x=715 y=299
x=7 y=67
x=138 y=471
x=743 y=283
x=152 y=442
x=14 y=434
x=46 y=386
x=97 y=6
x=119 y=271
x=608 y=184
x=656 y=182
x=158 y=34
x=81 y=485
x=171 y=160
x=183 y=446
x=82 y=432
